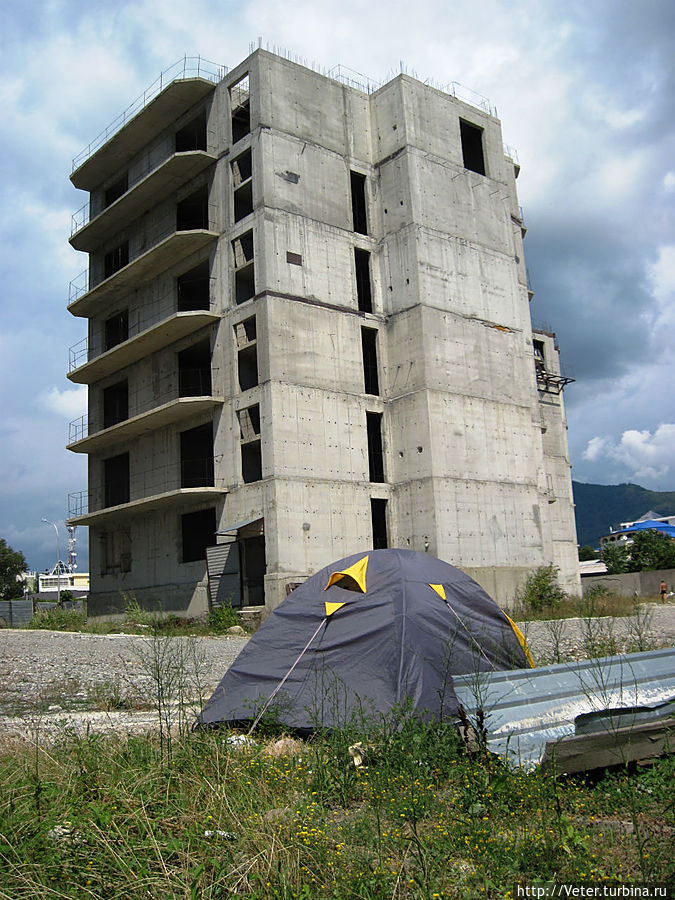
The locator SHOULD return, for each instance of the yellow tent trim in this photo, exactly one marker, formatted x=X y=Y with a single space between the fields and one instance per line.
x=356 y=572
x=521 y=640
x=440 y=590
x=333 y=607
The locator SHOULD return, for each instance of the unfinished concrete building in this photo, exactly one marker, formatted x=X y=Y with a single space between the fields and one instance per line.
x=308 y=334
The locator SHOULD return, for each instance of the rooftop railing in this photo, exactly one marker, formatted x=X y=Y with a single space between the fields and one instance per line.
x=187 y=67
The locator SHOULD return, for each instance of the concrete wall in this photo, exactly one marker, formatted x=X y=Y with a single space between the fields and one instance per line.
x=632 y=584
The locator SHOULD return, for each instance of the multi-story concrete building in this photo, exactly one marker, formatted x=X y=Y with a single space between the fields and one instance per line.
x=309 y=334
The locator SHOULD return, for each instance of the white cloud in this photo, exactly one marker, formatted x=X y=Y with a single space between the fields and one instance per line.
x=642 y=454
x=669 y=182
x=69 y=403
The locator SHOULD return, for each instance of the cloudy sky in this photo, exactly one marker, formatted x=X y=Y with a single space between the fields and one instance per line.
x=585 y=92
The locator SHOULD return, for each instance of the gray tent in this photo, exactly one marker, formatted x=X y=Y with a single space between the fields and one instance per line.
x=377 y=630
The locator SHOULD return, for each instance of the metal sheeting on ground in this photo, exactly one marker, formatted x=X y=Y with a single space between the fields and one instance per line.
x=527 y=708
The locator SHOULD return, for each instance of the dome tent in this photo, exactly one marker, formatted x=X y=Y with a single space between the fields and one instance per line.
x=366 y=634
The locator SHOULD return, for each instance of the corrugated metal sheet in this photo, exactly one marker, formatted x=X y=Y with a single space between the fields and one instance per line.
x=16 y=613
x=527 y=708
x=222 y=566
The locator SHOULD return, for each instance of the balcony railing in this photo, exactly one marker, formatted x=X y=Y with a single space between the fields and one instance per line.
x=188 y=67
x=141 y=320
x=183 y=384
x=82 y=283
x=153 y=482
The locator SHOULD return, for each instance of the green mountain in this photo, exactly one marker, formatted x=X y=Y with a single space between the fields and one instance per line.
x=599 y=506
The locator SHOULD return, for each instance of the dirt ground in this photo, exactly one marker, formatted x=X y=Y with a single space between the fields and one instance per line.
x=55 y=680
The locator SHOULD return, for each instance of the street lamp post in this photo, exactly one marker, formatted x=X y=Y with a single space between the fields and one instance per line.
x=58 y=560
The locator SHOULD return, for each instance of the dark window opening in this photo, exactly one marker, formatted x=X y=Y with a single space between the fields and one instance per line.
x=363 y=290
x=359 y=217
x=115 y=190
x=375 y=452
x=249 y=422
x=370 y=374
x=247 y=365
x=241 y=109
x=243 y=185
x=116 y=259
x=243 y=201
x=193 y=135
x=196 y=457
x=378 y=515
x=198 y=531
x=245 y=331
x=251 y=462
x=251 y=454
x=115 y=404
x=116 y=329
x=194 y=288
x=242 y=168
x=253 y=568
x=193 y=211
x=472 y=147
x=194 y=370
x=244 y=274
x=116 y=480
x=294 y=259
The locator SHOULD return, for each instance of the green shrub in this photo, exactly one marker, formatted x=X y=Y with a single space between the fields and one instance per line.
x=222 y=618
x=541 y=590
x=58 y=620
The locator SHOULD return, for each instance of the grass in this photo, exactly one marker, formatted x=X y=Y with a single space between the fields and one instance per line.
x=138 y=621
x=118 y=817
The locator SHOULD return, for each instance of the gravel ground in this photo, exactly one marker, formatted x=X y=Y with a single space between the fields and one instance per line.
x=88 y=681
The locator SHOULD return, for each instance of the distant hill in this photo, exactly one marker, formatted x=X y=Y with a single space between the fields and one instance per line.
x=600 y=505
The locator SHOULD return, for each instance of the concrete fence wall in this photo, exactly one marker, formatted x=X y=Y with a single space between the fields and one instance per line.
x=632 y=584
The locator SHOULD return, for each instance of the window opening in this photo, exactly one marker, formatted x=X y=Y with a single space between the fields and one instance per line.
x=243 y=185
x=116 y=259
x=194 y=288
x=359 y=217
x=294 y=259
x=363 y=289
x=116 y=480
x=115 y=403
x=196 y=457
x=375 y=452
x=245 y=332
x=247 y=366
x=240 y=103
x=198 y=531
x=539 y=356
x=251 y=452
x=370 y=373
x=194 y=370
x=115 y=190
x=192 y=136
x=472 y=147
x=193 y=212
x=244 y=274
x=115 y=552
x=116 y=329
x=378 y=516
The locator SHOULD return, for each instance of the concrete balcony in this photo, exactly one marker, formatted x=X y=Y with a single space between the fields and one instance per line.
x=122 y=432
x=178 y=498
x=178 y=169
x=168 y=251
x=173 y=93
x=167 y=330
